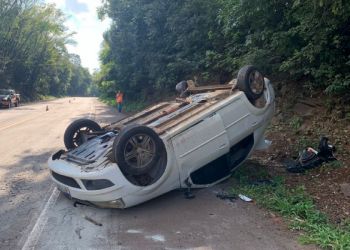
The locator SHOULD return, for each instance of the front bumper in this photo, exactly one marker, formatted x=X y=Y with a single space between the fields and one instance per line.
x=122 y=194
x=69 y=179
x=4 y=103
x=107 y=204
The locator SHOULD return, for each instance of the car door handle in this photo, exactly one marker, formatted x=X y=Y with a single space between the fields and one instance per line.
x=223 y=146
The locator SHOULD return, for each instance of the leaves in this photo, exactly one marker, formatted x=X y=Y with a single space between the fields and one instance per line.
x=153 y=44
x=33 y=56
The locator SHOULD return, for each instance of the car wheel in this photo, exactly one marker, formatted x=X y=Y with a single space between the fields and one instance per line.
x=137 y=149
x=251 y=82
x=77 y=132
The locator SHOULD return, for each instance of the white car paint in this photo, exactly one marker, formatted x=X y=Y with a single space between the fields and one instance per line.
x=189 y=147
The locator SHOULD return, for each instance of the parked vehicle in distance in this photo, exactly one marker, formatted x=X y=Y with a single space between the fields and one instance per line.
x=194 y=141
x=9 y=98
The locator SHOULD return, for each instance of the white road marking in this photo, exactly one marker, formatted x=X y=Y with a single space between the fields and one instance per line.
x=133 y=231
x=34 y=235
x=156 y=238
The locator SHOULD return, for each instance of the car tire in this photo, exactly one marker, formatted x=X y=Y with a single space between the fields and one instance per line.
x=72 y=135
x=137 y=150
x=251 y=82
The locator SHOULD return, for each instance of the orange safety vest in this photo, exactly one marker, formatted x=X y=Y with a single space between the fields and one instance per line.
x=119 y=98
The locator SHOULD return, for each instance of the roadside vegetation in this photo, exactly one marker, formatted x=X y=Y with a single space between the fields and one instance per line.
x=295 y=205
x=152 y=45
x=131 y=106
x=33 y=56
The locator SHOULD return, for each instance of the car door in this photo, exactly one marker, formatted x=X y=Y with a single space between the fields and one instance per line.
x=200 y=144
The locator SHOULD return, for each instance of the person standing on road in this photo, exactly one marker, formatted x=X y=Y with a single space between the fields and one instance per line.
x=119 y=100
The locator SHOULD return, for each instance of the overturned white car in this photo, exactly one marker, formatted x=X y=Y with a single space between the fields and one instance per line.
x=190 y=142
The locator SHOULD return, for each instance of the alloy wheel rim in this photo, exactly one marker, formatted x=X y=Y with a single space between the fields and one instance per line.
x=139 y=151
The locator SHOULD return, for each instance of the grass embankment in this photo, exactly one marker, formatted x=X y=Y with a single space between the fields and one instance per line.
x=295 y=205
x=47 y=98
x=128 y=106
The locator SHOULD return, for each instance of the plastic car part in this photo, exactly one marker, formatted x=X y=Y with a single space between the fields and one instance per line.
x=137 y=149
x=78 y=132
x=251 y=82
x=310 y=158
x=58 y=154
x=325 y=149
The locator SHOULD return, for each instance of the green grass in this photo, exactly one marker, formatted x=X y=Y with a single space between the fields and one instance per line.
x=128 y=106
x=296 y=123
x=297 y=206
x=47 y=97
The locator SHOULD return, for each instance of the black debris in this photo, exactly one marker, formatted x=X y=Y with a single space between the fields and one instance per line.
x=226 y=196
x=93 y=221
x=310 y=158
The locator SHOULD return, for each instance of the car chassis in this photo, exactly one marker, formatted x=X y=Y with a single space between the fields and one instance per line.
x=187 y=143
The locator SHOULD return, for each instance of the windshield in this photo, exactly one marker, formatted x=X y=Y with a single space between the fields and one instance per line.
x=4 y=92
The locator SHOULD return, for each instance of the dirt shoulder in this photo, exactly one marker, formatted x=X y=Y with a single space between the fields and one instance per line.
x=300 y=122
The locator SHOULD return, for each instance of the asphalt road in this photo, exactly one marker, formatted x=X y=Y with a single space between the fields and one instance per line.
x=34 y=215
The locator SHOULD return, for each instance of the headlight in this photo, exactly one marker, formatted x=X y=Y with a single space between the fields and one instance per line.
x=110 y=204
x=97 y=184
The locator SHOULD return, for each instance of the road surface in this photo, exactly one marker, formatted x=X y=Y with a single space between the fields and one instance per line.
x=34 y=215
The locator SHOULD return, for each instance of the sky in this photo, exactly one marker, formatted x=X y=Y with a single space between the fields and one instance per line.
x=82 y=19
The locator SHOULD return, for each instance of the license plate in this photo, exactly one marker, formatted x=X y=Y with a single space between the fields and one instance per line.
x=64 y=190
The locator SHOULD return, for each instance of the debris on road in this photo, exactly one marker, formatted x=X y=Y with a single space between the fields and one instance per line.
x=226 y=196
x=245 y=198
x=156 y=238
x=93 y=221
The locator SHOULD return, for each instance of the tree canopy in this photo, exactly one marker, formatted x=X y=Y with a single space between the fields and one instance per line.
x=152 y=44
x=33 y=55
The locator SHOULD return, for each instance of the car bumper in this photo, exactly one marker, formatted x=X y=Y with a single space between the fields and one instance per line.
x=5 y=103
x=122 y=194
x=69 y=179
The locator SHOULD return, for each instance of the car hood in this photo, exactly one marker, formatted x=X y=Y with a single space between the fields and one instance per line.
x=3 y=96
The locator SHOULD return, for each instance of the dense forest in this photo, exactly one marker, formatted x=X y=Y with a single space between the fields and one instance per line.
x=153 y=44
x=33 y=55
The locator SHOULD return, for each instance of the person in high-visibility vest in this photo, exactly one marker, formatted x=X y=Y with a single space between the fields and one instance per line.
x=119 y=100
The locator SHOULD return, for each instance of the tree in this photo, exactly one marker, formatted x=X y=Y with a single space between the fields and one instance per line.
x=34 y=58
